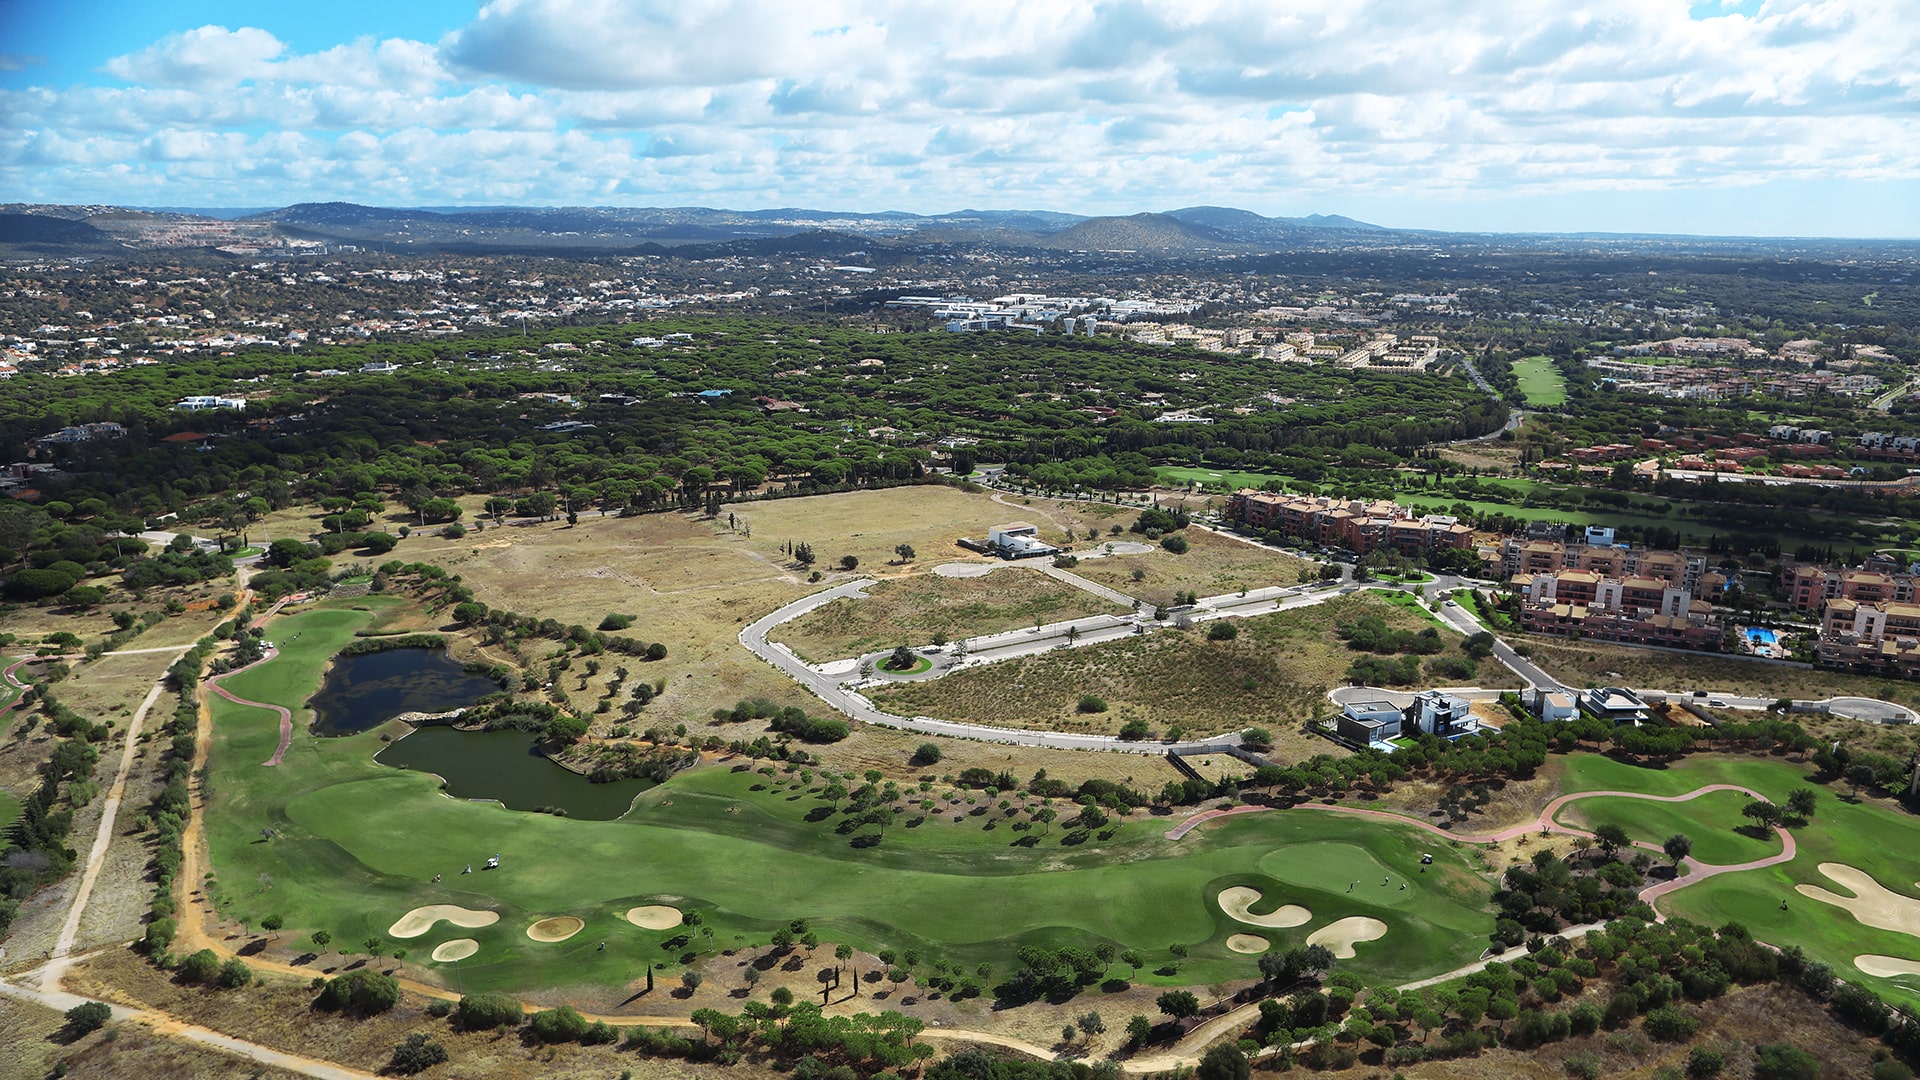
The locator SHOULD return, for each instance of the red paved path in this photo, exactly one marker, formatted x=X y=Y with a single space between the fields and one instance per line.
x=286 y=718
x=1696 y=870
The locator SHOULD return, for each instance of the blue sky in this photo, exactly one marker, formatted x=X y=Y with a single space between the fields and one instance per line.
x=1750 y=117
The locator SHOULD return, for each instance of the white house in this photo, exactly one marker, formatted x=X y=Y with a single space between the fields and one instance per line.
x=1437 y=713
x=1018 y=540
x=203 y=402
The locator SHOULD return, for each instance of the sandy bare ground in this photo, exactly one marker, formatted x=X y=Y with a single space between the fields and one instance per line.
x=457 y=949
x=1343 y=935
x=1251 y=944
x=421 y=919
x=654 y=917
x=1886 y=967
x=1872 y=903
x=1237 y=900
x=557 y=928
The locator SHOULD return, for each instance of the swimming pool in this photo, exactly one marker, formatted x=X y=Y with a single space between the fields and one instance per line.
x=1761 y=637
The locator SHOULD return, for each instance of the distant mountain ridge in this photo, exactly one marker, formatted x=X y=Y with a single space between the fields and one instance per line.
x=610 y=229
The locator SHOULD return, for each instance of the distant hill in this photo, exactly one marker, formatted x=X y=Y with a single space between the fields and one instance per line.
x=1248 y=227
x=598 y=229
x=53 y=235
x=1139 y=232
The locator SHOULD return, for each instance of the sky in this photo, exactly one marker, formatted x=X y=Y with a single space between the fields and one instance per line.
x=1724 y=117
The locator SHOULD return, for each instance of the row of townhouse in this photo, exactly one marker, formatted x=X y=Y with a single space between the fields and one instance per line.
x=1357 y=524
x=1518 y=555
x=1811 y=587
x=1881 y=637
x=1632 y=610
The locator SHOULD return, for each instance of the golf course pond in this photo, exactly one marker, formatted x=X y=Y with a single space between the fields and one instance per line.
x=365 y=691
x=507 y=766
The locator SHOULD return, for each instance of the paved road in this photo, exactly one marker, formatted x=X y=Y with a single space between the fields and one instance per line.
x=1093 y=587
x=828 y=688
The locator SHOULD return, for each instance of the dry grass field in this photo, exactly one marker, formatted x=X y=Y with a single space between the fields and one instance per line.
x=1276 y=674
x=910 y=610
x=37 y=1048
x=1590 y=664
x=1213 y=565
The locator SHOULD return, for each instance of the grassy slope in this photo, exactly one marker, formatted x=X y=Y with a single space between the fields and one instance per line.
x=1540 y=381
x=1870 y=836
x=359 y=843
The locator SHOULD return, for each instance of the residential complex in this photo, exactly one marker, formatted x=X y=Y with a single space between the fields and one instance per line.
x=1633 y=610
x=1357 y=524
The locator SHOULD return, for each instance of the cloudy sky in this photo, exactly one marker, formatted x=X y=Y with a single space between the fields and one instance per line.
x=1761 y=117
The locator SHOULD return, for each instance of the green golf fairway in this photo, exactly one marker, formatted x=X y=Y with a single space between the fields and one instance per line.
x=357 y=845
x=1709 y=821
x=1869 y=837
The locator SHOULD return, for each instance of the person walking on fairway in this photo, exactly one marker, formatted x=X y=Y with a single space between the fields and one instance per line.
x=1351 y=884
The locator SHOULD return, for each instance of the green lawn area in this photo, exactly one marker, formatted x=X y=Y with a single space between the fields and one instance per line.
x=9 y=811
x=1540 y=382
x=1708 y=821
x=1228 y=480
x=1412 y=603
x=1865 y=835
x=358 y=845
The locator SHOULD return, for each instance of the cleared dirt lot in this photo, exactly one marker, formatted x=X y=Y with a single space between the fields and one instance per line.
x=1212 y=565
x=909 y=611
x=1275 y=674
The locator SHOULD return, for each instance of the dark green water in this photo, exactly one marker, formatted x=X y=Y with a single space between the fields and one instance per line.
x=504 y=765
x=362 y=692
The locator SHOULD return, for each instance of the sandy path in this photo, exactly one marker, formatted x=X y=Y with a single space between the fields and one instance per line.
x=59 y=959
x=286 y=717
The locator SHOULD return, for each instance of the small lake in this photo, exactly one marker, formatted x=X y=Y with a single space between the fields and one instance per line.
x=505 y=765
x=365 y=691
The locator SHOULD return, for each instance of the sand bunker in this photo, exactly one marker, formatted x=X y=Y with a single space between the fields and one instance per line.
x=421 y=919
x=457 y=949
x=654 y=918
x=558 y=928
x=1251 y=944
x=1237 y=900
x=1872 y=904
x=1342 y=936
x=1886 y=967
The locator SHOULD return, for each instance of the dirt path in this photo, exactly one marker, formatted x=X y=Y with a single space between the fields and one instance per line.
x=1696 y=871
x=63 y=946
x=286 y=717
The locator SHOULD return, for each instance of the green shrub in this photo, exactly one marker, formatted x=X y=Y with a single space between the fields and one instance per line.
x=1091 y=704
x=416 y=1055
x=1222 y=630
x=1784 y=1061
x=363 y=992
x=1668 y=1024
x=563 y=1024
x=86 y=1017
x=200 y=968
x=1175 y=543
x=477 y=1012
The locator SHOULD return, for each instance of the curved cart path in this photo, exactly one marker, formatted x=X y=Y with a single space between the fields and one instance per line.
x=1696 y=870
x=286 y=717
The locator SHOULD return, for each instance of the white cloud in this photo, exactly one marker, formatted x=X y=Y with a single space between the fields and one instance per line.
x=1071 y=105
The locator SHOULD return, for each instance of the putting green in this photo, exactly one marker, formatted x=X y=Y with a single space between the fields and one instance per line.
x=356 y=841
